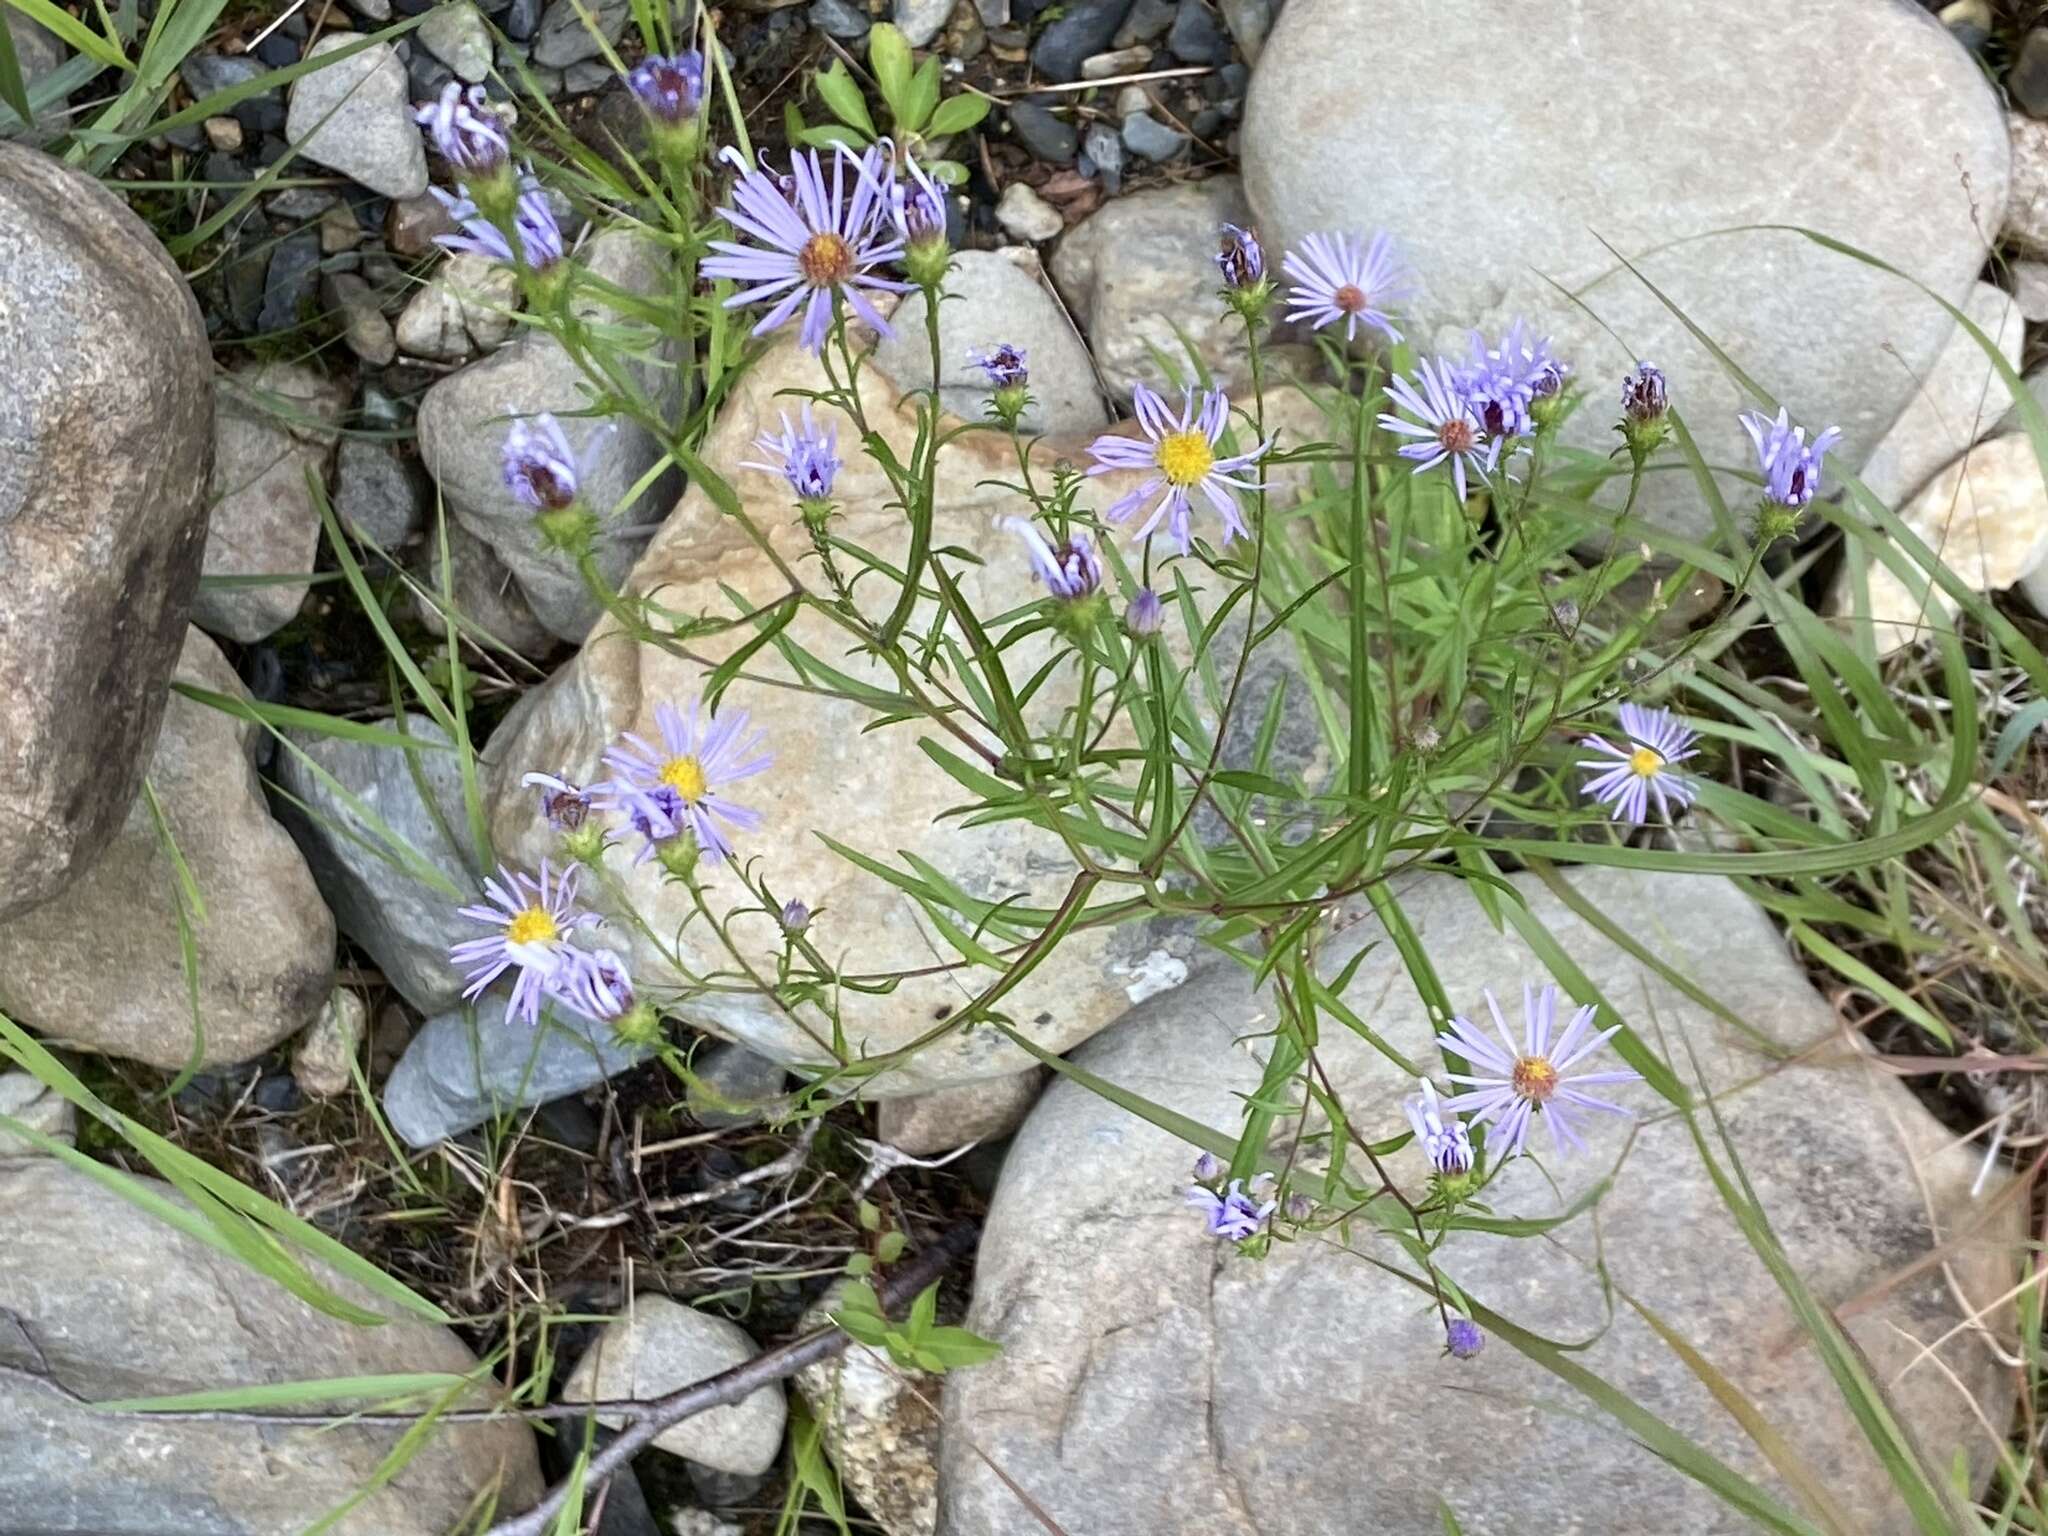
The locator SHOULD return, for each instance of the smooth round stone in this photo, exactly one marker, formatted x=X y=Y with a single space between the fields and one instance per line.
x=1501 y=192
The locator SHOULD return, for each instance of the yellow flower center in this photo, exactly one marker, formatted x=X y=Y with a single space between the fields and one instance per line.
x=825 y=259
x=532 y=926
x=1535 y=1078
x=1644 y=763
x=1185 y=457
x=684 y=775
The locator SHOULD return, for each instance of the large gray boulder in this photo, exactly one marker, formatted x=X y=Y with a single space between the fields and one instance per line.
x=1153 y=1380
x=100 y=1301
x=105 y=435
x=1500 y=184
x=101 y=965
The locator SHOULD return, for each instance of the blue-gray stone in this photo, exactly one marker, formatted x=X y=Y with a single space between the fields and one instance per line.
x=1197 y=36
x=1084 y=29
x=466 y=1066
x=1106 y=151
x=1044 y=135
x=288 y=285
x=840 y=18
x=1149 y=139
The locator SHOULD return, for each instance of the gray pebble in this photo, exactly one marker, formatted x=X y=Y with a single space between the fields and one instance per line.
x=921 y=20
x=521 y=20
x=2027 y=81
x=563 y=39
x=1149 y=139
x=1083 y=30
x=1147 y=22
x=1045 y=135
x=840 y=18
x=427 y=75
x=1197 y=36
x=1249 y=22
x=377 y=492
x=294 y=268
x=1106 y=151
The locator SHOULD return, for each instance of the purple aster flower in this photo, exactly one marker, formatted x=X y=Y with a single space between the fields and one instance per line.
x=594 y=983
x=540 y=466
x=1463 y=1339
x=533 y=219
x=1242 y=260
x=533 y=919
x=465 y=131
x=796 y=917
x=1208 y=1168
x=1629 y=776
x=805 y=456
x=1071 y=572
x=1446 y=1143
x=1343 y=277
x=565 y=805
x=917 y=206
x=656 y=814
x=816 y=241
x=1790 y=466
x=1512 y=1086
x=1003 y=366
x=683 y=781
x=1232 y=1214
x=1180 y=457
x=1504 y=381
x=669 y=89
x=1446 y=423
x=1146 y=615
x=1643 y=396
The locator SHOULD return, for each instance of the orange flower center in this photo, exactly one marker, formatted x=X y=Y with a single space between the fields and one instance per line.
x=825 y=260
x=1535 y=1078
x=1457 y=435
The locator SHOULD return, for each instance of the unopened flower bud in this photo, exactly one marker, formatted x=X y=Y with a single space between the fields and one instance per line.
x=1009 y=381
x=796 y=917
x=1146 y=615
x=1644 y=404
x=1207 y=1168
x=639 y=1026
x=679 y=855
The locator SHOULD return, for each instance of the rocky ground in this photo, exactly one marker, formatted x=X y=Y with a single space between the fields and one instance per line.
x=311 y=335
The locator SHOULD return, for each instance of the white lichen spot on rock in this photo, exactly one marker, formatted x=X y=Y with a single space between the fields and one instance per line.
x=1151 y=975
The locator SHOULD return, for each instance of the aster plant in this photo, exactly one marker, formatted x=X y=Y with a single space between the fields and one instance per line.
x=1361 y=675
